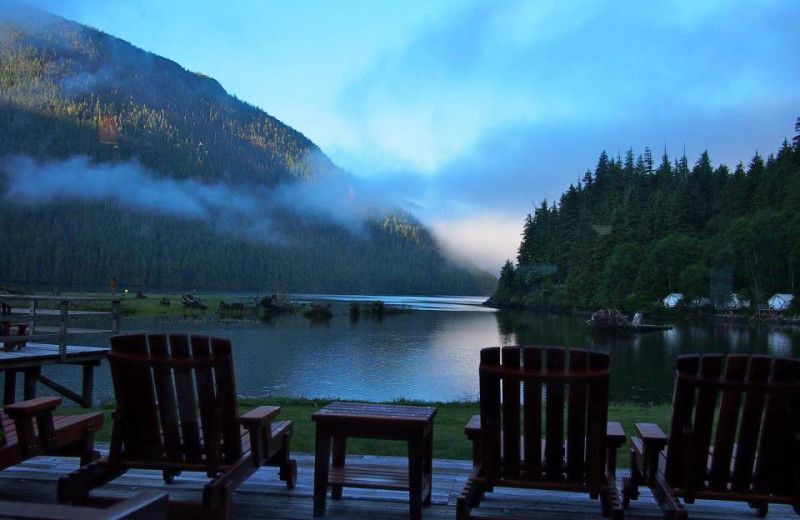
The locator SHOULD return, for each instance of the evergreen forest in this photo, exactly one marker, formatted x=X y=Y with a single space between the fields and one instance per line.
x=68 y=90
x=637 y=229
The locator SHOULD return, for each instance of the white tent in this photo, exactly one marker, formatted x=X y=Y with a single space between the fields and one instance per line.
x=780 y=302
x=672 y=299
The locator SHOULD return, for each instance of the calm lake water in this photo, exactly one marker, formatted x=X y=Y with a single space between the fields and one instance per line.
x=432 y=353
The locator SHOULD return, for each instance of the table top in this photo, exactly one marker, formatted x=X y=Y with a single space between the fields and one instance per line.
x=375 y=413
x=51 y=298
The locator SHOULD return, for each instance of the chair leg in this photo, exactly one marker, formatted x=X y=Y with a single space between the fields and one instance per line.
x=169 y=475
x=470 y=496
x=630 y=486
x=288 y=466
x=669 y=503
x=75 y=486
x=288 y=473
x=762 y=508
x=609 y=497
x=88 y=453
x=217 y=501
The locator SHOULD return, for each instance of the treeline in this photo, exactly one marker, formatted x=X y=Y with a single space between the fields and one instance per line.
x=67 y=90
x=81 y=246
x=634 y=231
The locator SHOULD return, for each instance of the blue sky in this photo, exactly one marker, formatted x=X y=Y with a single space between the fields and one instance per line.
x=470 y=112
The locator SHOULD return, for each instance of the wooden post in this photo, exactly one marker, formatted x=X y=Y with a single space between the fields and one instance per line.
x=29 y=383
x=10 y=391
x=33 y=307
x=116 y=312
x=88 y=385
x=62 y=335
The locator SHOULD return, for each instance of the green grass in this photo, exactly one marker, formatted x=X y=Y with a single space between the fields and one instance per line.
x=449 y=441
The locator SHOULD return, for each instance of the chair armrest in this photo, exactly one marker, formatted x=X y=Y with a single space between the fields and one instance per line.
x=24 y=414
x=647 y=447
x=651 y=435
x=473 y=433
x=615 y=435
x=32 y=407
x=473 y=428
x=259 y=417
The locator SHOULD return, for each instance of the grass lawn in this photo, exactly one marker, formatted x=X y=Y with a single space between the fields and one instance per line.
x=448 y=437
x=449 y=441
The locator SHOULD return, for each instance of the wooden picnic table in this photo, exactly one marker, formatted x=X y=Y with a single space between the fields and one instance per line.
x=338 y=421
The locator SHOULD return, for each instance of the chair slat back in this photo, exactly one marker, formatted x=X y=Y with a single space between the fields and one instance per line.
x=753 y=403
x=568 y=381
x=176 y=400
x=731 y=401
x=532 y=395
x=776 y=466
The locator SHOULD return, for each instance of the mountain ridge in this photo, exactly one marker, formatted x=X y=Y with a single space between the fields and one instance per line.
x=67 y=90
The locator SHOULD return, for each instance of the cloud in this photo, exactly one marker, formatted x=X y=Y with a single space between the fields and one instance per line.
x=230 y=209
x=549 y=64
x=486 y=241
x=499 y=105
x=129 y=185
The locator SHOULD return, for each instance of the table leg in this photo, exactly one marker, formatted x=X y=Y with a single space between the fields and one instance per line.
x=428 y=474
x=416 y=463
x=87 y=387
x=29 y=383
x=322 y=460
x=10 y=392
x=339 y=448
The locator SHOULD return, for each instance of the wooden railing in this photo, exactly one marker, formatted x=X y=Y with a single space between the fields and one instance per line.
x=58 y=313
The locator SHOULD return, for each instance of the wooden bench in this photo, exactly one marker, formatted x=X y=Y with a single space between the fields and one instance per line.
x=734 y=435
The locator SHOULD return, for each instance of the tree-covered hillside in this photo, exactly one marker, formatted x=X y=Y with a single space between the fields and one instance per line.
x=635 y=230
x=67 y=90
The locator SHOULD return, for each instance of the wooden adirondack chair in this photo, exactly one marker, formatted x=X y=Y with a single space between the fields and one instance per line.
x=735 y=435
x=544 y=375
x=29 y=429
x=161 y=382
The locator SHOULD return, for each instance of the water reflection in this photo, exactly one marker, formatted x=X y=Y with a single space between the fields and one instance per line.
x=779 y=344
x=434 y=355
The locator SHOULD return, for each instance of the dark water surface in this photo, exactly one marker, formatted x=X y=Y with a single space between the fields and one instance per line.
x=432 y=353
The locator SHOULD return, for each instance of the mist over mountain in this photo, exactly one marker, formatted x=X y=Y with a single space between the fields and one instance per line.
x=118 y=162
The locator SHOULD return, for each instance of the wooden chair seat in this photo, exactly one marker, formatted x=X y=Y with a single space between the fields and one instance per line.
x=176 y=410
x=30 y=429
x=278 y=430
x=526 y=443
x=734 y=435
x=615 y=438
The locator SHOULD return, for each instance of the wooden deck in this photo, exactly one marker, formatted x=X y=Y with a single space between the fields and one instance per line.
x=263 y=496
x=32 y=357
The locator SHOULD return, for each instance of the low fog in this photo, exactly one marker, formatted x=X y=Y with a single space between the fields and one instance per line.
x=244 y=210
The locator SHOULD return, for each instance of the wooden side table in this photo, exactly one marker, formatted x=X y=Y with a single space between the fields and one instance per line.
x=338 y=421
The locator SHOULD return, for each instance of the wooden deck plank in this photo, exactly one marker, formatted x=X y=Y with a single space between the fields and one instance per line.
x=38 y=354
x=265 y=497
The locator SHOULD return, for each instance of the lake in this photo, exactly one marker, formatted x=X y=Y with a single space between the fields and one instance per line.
x=432 y=352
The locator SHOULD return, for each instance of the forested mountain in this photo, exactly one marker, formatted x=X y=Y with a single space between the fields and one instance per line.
x=633 y=231
x=69 y=91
